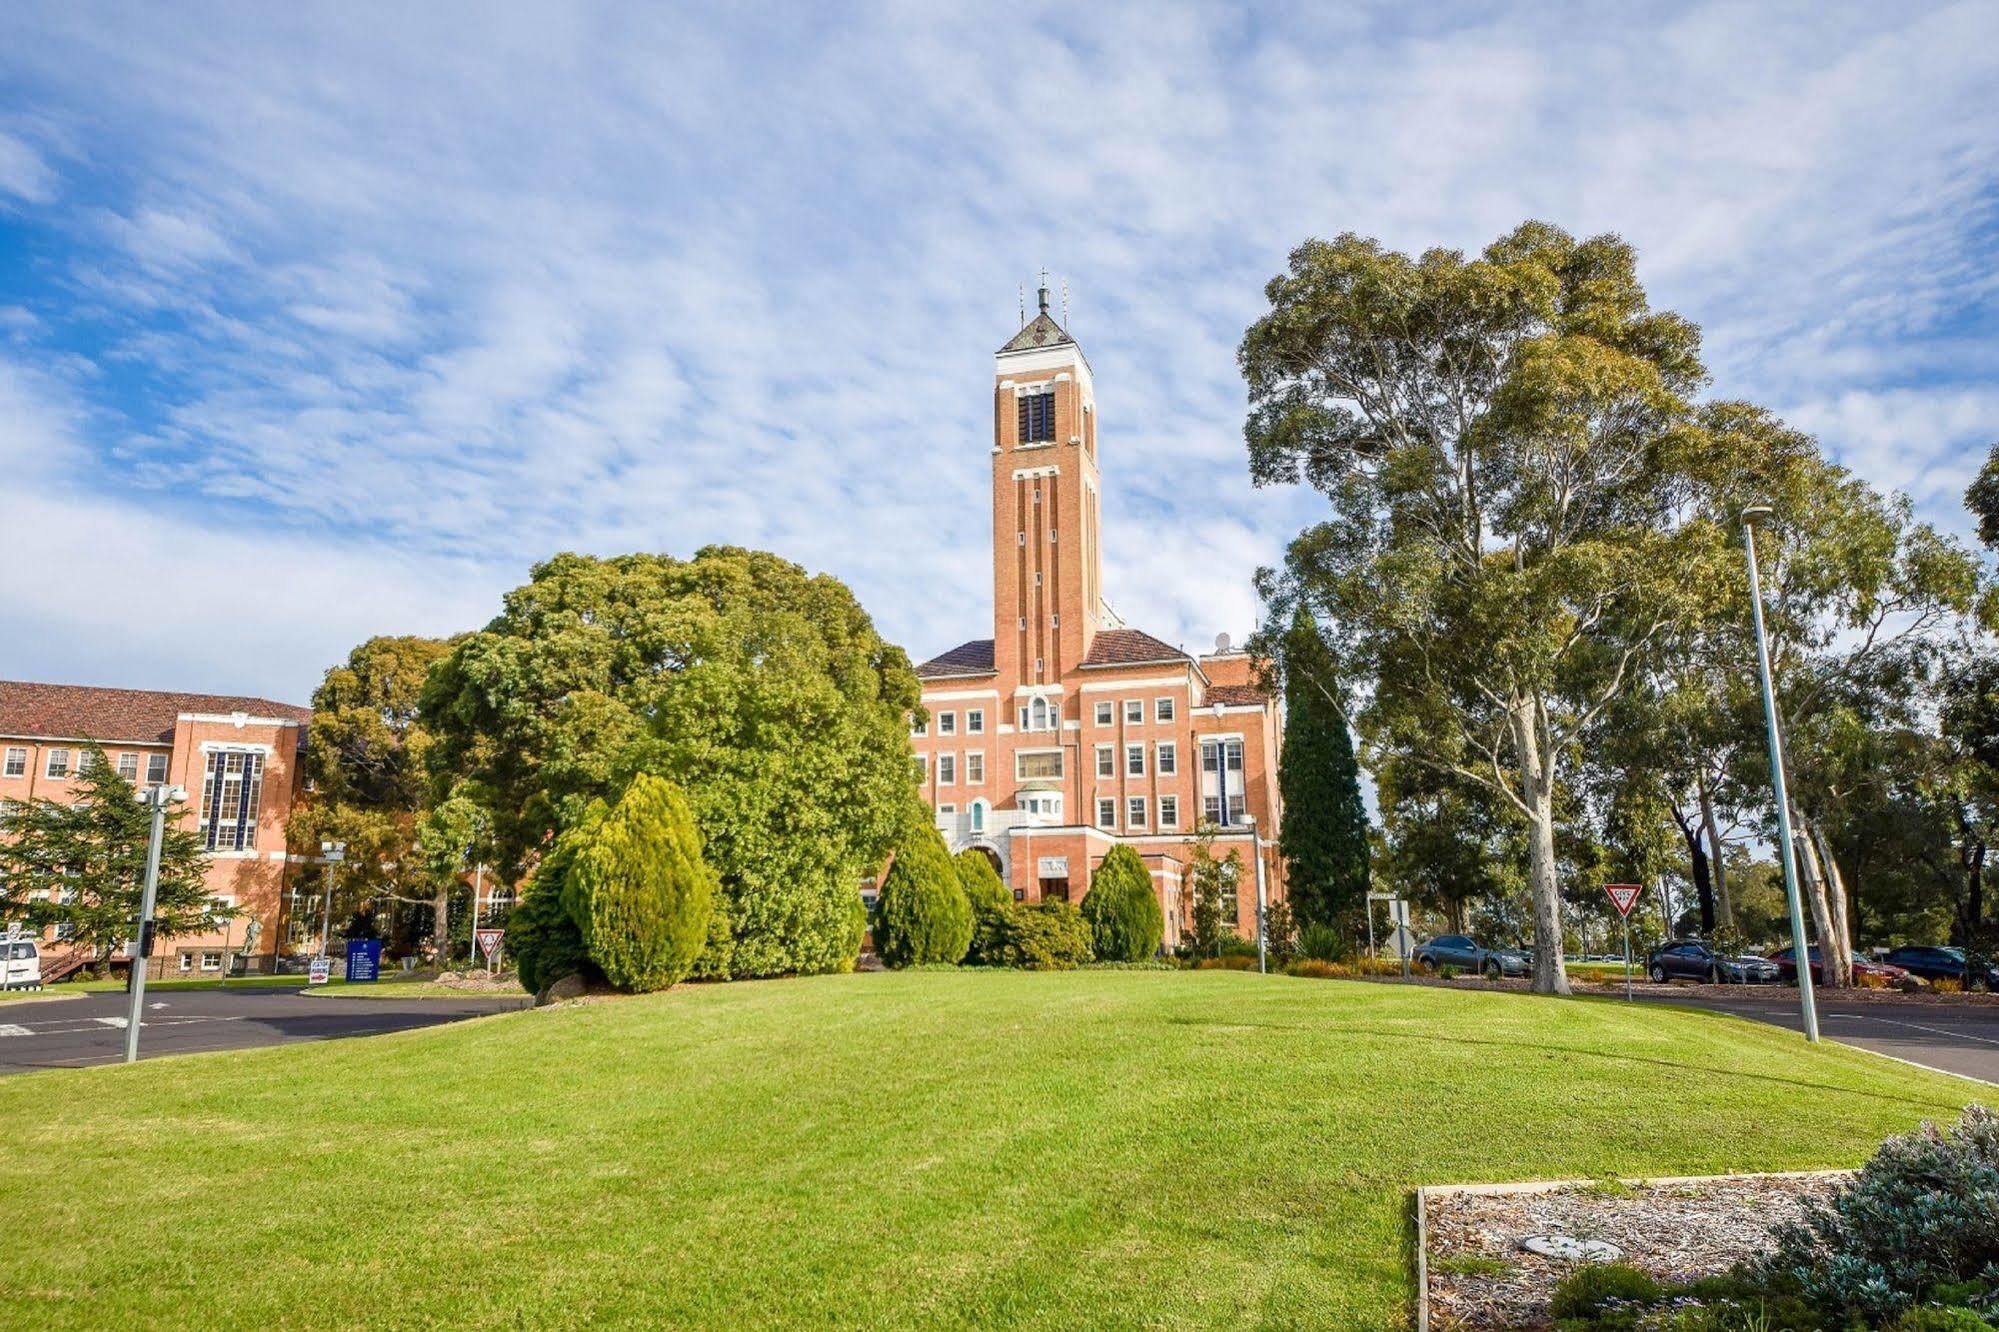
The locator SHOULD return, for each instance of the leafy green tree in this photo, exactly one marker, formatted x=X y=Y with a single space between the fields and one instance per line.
x=1214 y=882
x=82 y=865
x=921 y=914
x=1126 y=922
x=1510 y=453
x=638 y=888
x=1324 y=837
x=990 y=901
x=543 y=939
x=763 y=692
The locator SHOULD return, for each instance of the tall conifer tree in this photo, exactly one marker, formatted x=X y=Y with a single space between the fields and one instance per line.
x=1324 y=833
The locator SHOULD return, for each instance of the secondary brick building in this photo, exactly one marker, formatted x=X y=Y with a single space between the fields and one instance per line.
x=238 y=759
x=1067 y=732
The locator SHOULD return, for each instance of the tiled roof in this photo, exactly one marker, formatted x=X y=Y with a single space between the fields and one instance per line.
x=1236 y=695
x=1041 y=331
x=973 y=658
x=84 y=712
x=1130 y=647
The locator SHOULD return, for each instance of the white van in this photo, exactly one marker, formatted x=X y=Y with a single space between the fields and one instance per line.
x=20 y=965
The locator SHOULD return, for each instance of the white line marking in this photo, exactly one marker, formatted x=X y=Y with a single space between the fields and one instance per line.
x=111 y=1022
x=14 y=1029
x=1917 y=1026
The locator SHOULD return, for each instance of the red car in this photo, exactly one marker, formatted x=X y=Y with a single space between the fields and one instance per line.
x=1880 y=973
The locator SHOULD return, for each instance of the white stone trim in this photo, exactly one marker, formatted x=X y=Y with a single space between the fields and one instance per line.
x=1150 y=682
x=236 y=719
x=953 y=695
x=1035 y=473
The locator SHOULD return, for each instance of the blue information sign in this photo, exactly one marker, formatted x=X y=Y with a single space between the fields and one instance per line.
x=364 y=959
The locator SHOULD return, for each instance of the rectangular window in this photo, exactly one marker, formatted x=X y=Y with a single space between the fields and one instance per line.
x=919 y=726
x=1169 y=758
x=1106 y=713
x=230 y=792
x=211 y=961
x=1210 y=756
x=156 y=769
x=1134 y=711
x=58 y=764
x=1037 y=418
x=1211 y=808
x=1234 y=750
x=947 y=769
x=922 y=767
x=128 y=767
x=17 y=761
x=975 y=721
x=947 y=809
x=975 y=767
x=1134 y=812
x=187 y=961
x=1169 y=811
x=947 y=723
x=1162 y=709
x=1107 y=812
x=1134 y=760
x=1236 y=807
x=1106 y=760
x=1033 y=763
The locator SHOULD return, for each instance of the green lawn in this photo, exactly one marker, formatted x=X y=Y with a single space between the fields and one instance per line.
x=1103 y=1149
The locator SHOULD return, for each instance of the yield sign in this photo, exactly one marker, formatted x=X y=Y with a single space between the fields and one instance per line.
x=489 y=941
x=1623 y=896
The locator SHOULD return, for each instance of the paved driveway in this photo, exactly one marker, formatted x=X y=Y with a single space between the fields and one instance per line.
x=1958 y=1038
x=66 y=1033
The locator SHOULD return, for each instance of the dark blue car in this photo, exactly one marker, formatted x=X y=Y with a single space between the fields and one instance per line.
x=1692 y=959
x=1467 y=955
x=1943 y=964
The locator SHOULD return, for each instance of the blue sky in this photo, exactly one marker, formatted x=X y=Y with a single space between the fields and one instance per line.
x=318 y=321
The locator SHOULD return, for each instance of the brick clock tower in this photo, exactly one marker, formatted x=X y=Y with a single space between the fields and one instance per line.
x=1067 y=732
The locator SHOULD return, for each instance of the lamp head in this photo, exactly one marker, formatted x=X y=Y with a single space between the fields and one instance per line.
x=1756 y=513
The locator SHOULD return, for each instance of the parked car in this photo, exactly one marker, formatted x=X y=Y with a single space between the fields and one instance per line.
x=1692 y=959
x=1787 y=966
x=1936 y=964
x=20 y=964
x=1467 y=954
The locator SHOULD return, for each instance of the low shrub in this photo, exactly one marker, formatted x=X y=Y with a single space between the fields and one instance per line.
x=1321 y=943
x=1918 y=1225
x=1230 y=962
x=1126 y=923
x=1234 y=945
x=1044 y=936
x=1315 y=969
x=921 y=915
x=1600 y=1288
x=1147 y=964
x=990 y=902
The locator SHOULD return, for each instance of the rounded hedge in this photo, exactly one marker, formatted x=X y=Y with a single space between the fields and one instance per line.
x=1049 y=935
x=1126 y=923
x=990 y=902
x=921 y=915
x=639 y=890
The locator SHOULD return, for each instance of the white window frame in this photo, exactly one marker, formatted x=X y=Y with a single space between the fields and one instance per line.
x=948 y=810
x=187 y=961
x=1107 y=803
x=1107 y=761
x=161 y=762
x=975 y=721
x=922 y=767
x=1162 y=708
x=1061 y=765
x=947 y=769
x=1134 y=760
x=975 y=767
x=49 y=772
x=16 y=762
x=947 y=723
x=979 y=809
x=1166 y=759
x=1134 y=712
x=215 y=953
x=128 y=758
x=1134 y=812
x=919 y=727
x=1106 y=713
x=1169 y=811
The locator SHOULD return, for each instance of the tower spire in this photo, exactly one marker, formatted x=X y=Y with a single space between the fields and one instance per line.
x=1043 y=291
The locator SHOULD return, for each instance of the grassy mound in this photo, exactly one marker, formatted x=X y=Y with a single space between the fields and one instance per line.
x=1061 y=1149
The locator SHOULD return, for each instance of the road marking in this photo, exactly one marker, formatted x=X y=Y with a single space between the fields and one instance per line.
x=111 y=1022
x=14 y=1029
x=1917 y=1026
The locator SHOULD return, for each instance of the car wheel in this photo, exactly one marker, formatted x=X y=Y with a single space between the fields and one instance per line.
x=1428 y=965
x=1658 y=974
x=1492 y=971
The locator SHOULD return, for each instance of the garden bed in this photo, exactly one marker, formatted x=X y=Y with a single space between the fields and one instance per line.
x=1477 y=1275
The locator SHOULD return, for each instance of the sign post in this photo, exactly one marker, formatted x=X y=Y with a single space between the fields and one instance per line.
x=489 y=944
x=364 y=960
x=1624 y=896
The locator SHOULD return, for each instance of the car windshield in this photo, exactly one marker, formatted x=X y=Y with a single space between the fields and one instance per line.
x=1954 y=954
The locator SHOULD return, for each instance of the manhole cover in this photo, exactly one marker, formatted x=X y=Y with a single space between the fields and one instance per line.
x=1570 y=1249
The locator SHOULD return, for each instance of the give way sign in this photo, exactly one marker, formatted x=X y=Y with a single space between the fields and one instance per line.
x=1623 y=896
x=489 y=941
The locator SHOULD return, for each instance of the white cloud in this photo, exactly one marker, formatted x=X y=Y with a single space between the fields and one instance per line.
x=471 y=284
x=23 y=173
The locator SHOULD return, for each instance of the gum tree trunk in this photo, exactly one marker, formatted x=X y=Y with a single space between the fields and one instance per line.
x=1812 y=885
x=1537 y=788
x=1711 y=827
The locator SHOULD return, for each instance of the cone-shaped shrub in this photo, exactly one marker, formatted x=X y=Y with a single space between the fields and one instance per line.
x=1126 y=923
x=922 y=915
x=639 y=890
x=542 y=937
x=990 y=902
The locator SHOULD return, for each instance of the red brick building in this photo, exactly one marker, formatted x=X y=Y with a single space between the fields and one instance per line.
x=238 y=759
x=1067 y=732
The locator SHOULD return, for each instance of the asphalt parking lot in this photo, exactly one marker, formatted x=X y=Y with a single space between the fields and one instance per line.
x=1956 y=1037
x=72 y=1032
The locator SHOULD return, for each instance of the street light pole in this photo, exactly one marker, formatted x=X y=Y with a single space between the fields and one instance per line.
x=332 y=853
x=157 y=799
x=1786 y=848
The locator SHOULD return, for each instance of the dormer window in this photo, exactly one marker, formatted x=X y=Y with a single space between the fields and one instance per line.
x=1037 y=418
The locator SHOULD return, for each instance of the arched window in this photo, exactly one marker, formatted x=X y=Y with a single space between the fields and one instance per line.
x=1037 y=715
x=978 y=816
